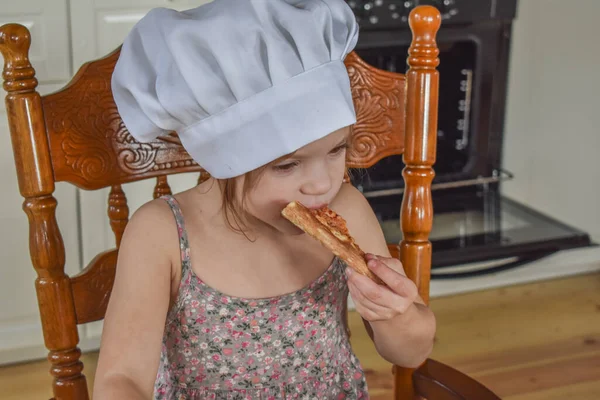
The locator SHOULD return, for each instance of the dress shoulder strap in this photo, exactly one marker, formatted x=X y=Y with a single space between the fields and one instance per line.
x=184 y=245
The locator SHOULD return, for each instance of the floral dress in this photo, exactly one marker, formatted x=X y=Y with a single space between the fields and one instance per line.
x=292 y=346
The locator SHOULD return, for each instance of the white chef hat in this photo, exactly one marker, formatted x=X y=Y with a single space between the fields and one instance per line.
x=242 y=82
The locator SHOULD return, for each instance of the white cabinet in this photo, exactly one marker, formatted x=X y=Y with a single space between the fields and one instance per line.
x=99 y=26
x=47 y=20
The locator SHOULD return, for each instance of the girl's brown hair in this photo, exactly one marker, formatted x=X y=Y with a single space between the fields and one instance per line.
x=234 y=211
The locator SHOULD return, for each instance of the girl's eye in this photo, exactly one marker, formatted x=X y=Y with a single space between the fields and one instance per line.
x=339 y=149
x=286 y=167
x=289 y=166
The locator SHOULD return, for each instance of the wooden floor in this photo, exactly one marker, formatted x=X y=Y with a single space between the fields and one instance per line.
x=538 y=341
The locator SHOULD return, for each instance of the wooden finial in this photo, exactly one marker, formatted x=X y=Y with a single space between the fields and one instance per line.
x=19 y=75
x=424 y=22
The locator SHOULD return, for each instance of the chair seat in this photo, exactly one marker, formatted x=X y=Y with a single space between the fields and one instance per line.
x=437 y=381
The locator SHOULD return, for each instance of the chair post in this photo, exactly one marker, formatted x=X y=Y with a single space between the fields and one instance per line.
x=36 y=184
x=422 y=80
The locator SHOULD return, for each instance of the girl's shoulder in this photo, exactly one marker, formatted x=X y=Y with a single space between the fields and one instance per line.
x=153 y=214
x=168 y=216
x=152 y=224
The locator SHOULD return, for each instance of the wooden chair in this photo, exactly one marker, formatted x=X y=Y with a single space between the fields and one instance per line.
x=76 y=135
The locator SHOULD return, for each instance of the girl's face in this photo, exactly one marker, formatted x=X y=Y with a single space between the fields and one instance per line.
x=312 y=175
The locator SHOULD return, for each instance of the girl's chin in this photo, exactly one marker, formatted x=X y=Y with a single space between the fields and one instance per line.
x=287 y=228
x=280 y=225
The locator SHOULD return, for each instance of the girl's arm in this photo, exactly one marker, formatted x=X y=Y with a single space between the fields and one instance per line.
x=136 y=314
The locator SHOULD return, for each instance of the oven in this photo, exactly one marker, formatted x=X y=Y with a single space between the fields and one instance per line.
x=473 y=222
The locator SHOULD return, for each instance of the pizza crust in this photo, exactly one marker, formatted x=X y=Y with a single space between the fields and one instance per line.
x=330 y=229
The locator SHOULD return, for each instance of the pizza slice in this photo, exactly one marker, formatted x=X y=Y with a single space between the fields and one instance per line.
x=330 y=229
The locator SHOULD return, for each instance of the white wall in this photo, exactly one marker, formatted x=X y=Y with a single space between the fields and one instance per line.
x=552 y=140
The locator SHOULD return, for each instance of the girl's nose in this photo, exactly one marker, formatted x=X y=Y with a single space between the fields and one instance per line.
x=317 y=183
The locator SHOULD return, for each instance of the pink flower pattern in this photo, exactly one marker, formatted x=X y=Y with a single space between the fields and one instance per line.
x=292 y=346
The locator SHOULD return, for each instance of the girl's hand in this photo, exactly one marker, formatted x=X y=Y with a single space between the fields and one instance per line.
x=376 y=302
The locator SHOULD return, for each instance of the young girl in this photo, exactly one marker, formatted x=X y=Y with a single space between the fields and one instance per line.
x=216 y=295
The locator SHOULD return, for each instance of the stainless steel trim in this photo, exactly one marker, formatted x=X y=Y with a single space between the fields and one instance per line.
x=499 y=175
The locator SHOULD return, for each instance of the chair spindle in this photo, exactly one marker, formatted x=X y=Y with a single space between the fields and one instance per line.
x=162 y=187
x=118 y=212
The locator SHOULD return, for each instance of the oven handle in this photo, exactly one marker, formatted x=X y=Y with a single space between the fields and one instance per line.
x=498 y=175
x=521 y=260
